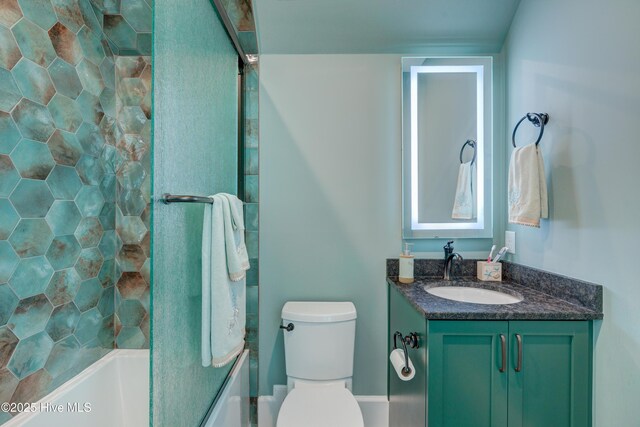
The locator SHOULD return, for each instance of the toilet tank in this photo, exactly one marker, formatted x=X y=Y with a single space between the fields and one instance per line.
x=320 y=346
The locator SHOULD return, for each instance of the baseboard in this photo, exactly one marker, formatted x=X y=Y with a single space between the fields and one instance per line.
x=375 y=409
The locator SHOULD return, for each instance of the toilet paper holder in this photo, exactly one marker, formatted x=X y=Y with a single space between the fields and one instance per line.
x=410 y=340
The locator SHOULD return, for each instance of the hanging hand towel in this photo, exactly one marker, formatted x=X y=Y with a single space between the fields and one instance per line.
x=527 y=189
x=223 y=290
x=463 y=202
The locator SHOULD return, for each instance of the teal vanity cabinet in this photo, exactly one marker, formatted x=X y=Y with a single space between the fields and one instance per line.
x=488 y=373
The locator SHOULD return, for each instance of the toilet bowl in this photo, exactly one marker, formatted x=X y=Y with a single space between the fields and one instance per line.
x=319 y=340
x=320 y=407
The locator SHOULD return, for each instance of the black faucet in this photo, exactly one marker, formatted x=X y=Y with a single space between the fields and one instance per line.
x=449 y=257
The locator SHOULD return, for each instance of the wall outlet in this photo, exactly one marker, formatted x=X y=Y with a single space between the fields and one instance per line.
x=510 y=241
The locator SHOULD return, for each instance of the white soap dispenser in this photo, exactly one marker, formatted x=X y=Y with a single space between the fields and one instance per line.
x=406 y=265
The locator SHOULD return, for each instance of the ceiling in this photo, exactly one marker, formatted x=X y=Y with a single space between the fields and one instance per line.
x=381 y=26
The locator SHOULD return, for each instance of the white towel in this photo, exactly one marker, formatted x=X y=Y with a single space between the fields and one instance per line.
x=528 y=200
x=223 y=288
x=463 y=202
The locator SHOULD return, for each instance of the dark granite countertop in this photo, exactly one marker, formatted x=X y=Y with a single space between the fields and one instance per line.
x=564 y=299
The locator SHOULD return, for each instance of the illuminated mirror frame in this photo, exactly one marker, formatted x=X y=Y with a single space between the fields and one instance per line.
x=482 y=227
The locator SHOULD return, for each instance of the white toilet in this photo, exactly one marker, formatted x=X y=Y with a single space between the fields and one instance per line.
x=319 y=359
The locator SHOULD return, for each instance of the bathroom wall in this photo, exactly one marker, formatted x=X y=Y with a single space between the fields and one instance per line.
x=195 y=151
x=57 y=195
x=579 y=61
x=329 y=197
x=133 y=197
x=127 y=25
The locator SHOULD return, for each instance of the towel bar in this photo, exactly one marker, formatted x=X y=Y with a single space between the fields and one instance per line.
x=179 y=198
x=471 y=143
x=537 y=119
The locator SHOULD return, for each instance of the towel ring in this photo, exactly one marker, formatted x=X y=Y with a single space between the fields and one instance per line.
x=471 y=143
x=537 y=119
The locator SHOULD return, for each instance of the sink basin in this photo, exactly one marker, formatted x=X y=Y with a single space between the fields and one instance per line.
x=473 y=295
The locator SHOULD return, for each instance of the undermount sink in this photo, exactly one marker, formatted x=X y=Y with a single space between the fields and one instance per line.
x=473 y=295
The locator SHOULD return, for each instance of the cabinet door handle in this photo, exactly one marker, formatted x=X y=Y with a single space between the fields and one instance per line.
x=519 y=364
x=503 y=347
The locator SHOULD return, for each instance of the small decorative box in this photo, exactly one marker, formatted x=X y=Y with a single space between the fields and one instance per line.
x=489 y=271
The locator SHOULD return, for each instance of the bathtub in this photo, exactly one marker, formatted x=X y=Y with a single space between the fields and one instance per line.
x=113 y=392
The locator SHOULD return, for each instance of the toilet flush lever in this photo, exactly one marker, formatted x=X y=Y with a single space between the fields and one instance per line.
x=289 y=327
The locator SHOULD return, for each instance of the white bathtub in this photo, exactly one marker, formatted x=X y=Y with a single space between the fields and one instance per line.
x=116 y=389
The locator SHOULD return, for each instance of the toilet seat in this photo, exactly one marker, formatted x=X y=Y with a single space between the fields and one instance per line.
x=320 y=407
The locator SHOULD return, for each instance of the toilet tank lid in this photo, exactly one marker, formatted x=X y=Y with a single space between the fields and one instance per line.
x=315 y=311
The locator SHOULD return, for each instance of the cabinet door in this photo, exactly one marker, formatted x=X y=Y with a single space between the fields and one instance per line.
x=407 y=406
x=466 y=375
x=553 y=385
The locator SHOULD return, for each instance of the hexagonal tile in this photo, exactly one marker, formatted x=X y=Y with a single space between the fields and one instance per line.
x=91 y=139
x=90 y=170
x=64 y=356
x=90 y=77
x=89 y=16
x=90 y=107
x=107 y=273
x=132 y=119
x=65 y=113
x=65 y=79
x=108 y=101
x=31 y=276
x=39 y=11
x=9 y=176
x=91 y=46
x=9 y=51
x=9 y=133
x=64 y=182
x=131 y=229
x=63 y=252
x=90 y=200
x=8 y=303
x=33 y=81
x=32 y=159
x=131 y=175
x=88 y=325
x=108 y=71
x=108 y=216
x=131 y=91
x=138 y=14
x=89 y=232
x=31 y=316
x=9 y=94
x=130 y=66
x=32 y=199
x=30 y=355
x=107 y=244
x=89 y=294
x=8 y=261
x=108 y=185
x=8 y=343
x=131 y=285
x=65 y=148
x=63 y=321
x=131 y=312
x=33 y=387
x=34 y=42
x=33 y=120
x=89 y=263
x=106 y=304
x=31 y=238
x=8 y=219
x=131 y=257
x=119 y=31
x=10 y=13
x=130 y=337
x=63 y=287
x=63 y=217
x=68 y=13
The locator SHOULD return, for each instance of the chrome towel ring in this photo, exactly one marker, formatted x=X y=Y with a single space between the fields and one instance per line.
x=537 y=119
x=471 y=143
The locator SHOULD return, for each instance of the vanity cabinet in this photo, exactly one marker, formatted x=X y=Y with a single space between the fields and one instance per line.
x=477 y=373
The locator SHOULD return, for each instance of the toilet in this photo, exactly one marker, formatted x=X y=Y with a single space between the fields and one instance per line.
x=319 y=363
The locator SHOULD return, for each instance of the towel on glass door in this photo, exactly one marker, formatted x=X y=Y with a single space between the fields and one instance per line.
x=527 y=189
x=224 y=266
x=463 y=202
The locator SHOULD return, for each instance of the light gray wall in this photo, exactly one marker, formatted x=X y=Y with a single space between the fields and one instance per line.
x=330 y=197
x=579 y=61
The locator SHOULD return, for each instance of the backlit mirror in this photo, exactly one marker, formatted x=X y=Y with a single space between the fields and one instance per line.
x=447 y=140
